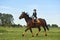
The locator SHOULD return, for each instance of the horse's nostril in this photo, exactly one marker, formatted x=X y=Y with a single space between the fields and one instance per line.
x=19 y=18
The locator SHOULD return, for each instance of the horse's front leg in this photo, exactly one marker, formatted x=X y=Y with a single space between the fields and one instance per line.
x=25 y=32
x=38 y=31
x=31 y=32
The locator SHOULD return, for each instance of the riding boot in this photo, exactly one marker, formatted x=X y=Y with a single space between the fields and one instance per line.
x=34 y=22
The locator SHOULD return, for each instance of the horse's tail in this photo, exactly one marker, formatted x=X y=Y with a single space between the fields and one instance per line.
x=46 y=26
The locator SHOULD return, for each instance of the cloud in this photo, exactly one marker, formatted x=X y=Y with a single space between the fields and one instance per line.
x=7 y=9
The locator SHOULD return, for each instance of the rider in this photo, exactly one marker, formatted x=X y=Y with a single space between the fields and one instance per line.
x=34 y=15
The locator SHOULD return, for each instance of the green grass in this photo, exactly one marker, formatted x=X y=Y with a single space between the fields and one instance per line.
x=7 y=33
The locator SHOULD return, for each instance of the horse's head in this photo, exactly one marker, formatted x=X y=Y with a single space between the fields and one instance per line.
x=23 y=15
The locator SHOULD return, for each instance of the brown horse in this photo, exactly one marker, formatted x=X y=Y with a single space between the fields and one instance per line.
x=31 y=25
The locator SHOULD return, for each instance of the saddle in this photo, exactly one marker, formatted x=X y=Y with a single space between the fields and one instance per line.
x=35 y=20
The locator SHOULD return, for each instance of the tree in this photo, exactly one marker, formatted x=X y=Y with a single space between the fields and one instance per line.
x=49 y=25
x=54 y=25
x=7 y=19
x=0 y=19
x=0 y=15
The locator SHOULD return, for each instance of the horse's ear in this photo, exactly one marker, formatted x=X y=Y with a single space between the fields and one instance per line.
x=26 y=13
x=23 y=12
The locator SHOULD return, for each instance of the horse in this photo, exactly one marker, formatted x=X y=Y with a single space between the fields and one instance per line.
x=31 y=25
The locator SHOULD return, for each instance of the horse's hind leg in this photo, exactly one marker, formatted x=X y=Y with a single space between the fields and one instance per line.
x=45 y=30
x=31 y=32
x=25 y=32
x=38 y=31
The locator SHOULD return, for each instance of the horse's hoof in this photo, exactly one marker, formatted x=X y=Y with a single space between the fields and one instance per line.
x=36 y=34
x=22 y=34
x=45 y=34
x=32 y=35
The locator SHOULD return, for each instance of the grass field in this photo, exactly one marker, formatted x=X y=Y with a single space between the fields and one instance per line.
x=11 y=33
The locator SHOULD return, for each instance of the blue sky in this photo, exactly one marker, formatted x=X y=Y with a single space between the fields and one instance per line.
x=47 y=9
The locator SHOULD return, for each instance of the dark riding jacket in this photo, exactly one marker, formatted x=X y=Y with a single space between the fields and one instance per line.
x=35 y=15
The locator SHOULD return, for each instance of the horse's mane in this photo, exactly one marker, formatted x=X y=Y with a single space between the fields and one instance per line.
x=28 y=15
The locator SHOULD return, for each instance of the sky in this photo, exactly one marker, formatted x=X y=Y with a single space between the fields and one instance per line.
x=46 y=9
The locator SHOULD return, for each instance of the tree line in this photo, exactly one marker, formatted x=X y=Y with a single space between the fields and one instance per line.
x=53 y=25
